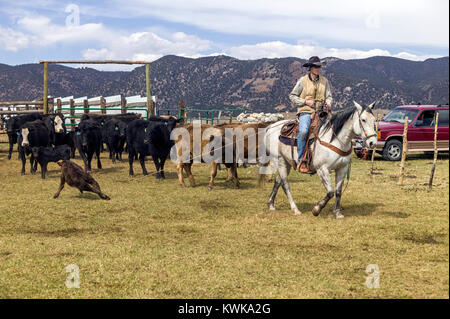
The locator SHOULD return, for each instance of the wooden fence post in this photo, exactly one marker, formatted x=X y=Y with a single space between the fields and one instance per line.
x=58 y=106
x=182 y=112
x=405 y=148
x=151 y=109
x=51 y=105
x=103 y=105
x=373 y=151
x=45 y=105
x=123 y=105
x=72 y=113
x=433 y=168
x=86 y=106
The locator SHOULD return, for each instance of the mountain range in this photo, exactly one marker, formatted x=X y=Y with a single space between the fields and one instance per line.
x=259 y=85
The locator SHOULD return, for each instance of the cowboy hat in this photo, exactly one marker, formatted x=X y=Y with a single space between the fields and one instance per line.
x=314 y=61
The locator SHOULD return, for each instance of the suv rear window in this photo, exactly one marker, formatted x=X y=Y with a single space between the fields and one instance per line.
x=443 y=117
x=398 y=115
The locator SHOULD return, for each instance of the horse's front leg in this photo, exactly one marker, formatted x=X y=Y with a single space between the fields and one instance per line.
x=340 y=177
x=325 y=177
x=283 y=172
x=274 y=192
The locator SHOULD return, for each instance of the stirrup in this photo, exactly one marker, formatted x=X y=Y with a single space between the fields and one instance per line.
x=303 y=167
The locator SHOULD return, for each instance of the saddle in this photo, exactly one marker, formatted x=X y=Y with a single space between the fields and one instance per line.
x=289 y=133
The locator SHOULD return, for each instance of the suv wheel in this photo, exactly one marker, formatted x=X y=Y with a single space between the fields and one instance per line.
x=393 y=150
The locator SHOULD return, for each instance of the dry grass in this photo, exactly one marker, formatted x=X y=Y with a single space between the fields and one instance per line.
x=157 y=240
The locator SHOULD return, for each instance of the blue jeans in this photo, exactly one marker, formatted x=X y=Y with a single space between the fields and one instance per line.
x=304 y=121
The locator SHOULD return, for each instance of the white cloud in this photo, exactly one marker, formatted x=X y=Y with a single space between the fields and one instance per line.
x=149 y=46
x=412 y=22
x=11 y=40
x=278 y=49
x=42 y=32
x=355 y=22
x=99 y=41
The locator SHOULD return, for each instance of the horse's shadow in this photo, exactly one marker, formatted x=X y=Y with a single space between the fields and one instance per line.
x=348 y=210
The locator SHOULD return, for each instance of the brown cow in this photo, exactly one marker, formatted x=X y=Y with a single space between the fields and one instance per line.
x=204 y=142
x=216 y=131
x=76 y=176
x=254 y=130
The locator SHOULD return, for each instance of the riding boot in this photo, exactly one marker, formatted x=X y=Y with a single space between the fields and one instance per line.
x=303 y=167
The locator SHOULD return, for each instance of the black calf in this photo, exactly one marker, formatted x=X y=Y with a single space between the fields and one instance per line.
x=44 y=155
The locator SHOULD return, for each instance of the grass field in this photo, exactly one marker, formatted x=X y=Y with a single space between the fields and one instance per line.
x=154 y=239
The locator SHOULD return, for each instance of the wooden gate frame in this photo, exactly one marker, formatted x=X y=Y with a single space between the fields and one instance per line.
x=150 y=106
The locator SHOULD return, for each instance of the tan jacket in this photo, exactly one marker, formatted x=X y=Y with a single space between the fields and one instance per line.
x=307 y=89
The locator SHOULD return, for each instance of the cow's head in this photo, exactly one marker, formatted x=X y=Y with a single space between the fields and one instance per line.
x=25 y=132
x=63 y=152
x=121 y=128
x=171 y=123
x=35 y=151
x=147 y=133
x=87 y=130
x=10 y=125
x=59 y=124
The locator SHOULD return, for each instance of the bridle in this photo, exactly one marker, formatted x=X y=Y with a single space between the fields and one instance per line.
x=366 y=136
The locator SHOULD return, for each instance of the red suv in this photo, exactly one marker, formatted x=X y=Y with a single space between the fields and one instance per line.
x=420 y=131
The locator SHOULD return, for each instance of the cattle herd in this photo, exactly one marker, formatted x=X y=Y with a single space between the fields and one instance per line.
x=44 y=139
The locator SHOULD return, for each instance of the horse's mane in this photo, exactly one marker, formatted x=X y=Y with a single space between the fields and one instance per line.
x=338 y=119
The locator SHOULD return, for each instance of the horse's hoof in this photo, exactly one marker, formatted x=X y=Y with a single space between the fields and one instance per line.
x=271 y=208
x=210 y=188
x=339 y=215
x=297 y=212
x=316 y=210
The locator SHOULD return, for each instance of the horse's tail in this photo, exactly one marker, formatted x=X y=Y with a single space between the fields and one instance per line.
x=270 y=163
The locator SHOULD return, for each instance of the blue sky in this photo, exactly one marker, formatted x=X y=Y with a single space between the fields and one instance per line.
x=245 y=29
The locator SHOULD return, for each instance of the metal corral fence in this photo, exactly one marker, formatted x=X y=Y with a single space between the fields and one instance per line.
x=74 y=108
x=209 y=116
x=12 y=108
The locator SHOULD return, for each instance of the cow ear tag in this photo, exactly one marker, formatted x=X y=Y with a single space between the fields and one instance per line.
x=18 y=133
x=116 y=128
x=78 y=133
x=166 y=123
x=145 y=130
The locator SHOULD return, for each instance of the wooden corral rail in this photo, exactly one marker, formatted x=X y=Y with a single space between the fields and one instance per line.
x=24 y=107
x=150 y=105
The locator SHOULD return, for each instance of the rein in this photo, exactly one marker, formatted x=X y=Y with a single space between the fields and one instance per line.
x=364 y=131
x=338 y=150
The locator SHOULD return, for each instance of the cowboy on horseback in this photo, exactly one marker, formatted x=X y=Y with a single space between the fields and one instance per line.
x=311 y=94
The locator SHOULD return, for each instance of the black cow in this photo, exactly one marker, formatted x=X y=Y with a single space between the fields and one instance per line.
x=150 y=137
x=32 y=134
x=114 y=135
x=69 y=140
x=102 y=119
x=44 y=155
x=13 y=125
x=56 y=125
x=88 y=140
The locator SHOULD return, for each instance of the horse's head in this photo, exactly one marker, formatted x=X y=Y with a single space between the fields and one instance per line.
x=364 y=124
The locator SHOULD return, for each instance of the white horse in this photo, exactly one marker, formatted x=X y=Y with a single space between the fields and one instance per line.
x=332 y=152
